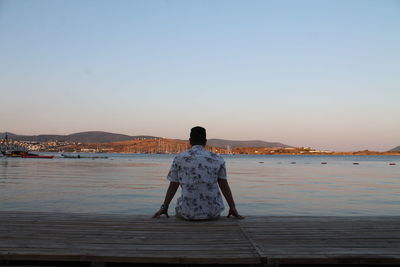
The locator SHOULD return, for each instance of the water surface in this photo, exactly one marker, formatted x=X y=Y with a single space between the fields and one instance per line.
x=262 y=185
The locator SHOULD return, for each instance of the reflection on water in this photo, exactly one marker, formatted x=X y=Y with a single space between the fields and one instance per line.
x=262 y=185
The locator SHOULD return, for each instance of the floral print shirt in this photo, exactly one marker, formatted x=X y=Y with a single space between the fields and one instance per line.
x=197 y=170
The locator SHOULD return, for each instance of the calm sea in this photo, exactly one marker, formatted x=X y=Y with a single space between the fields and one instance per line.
x=262 y=185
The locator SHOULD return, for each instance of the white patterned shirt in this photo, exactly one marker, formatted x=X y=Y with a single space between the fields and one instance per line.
x=197 y=170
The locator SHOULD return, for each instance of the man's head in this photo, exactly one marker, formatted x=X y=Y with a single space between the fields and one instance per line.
x=198 y=136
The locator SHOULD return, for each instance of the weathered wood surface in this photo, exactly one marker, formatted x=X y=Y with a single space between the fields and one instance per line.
x=326 y=240
x=113 y=238
x=255 y=240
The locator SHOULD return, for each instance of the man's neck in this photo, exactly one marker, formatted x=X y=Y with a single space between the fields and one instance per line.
x=197 y=145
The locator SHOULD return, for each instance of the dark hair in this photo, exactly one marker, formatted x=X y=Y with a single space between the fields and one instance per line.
x=198 y=136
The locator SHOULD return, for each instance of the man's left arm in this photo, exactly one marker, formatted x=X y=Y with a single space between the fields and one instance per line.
x=226 y=191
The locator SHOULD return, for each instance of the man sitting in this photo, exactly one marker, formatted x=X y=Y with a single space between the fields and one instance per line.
x=201 y=174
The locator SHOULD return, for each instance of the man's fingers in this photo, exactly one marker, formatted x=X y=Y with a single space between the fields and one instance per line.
x=159 y=213
x=234 y=214
x=237 y=215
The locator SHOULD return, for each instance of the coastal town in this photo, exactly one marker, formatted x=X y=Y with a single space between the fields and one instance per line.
x=168 y=146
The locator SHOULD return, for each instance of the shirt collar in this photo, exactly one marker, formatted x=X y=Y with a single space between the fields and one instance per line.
x=198 y=147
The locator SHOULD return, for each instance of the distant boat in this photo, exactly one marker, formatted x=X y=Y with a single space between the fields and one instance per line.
x=8 y=149
x=36 y=156
x=71 y=156
x=23 y=154
x=14 y=153
x=81 y=157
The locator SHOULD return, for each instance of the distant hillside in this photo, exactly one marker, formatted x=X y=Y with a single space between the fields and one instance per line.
x=102 y=137
x=105 y=137
x=396 y=149
x=233 y=144
x=83 y=137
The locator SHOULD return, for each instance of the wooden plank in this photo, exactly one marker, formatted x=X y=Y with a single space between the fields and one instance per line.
x=269 y=240
x=41 y=236
x=326 y=240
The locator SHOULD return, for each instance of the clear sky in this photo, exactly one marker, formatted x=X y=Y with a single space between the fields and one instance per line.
x=324 y=74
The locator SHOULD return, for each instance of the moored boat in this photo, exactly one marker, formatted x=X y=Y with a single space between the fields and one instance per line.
x=36 y=156
x=9 y=149
x=82 y=157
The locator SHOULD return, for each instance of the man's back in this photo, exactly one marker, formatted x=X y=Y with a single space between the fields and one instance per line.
x=197 y=171
x=201 y=174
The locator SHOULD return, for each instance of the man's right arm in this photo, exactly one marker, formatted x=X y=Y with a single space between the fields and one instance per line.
x=173 y=186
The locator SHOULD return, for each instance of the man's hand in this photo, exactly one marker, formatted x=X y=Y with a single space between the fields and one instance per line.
x=161 y=212
x=173 y=186
x=234 y=213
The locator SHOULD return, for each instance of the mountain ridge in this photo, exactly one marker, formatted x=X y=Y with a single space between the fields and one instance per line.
x=396 y=149
x=107 y=137
x=239 y=143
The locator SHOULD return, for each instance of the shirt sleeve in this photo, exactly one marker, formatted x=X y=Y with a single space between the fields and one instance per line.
x=173 y=172
x=222 y=172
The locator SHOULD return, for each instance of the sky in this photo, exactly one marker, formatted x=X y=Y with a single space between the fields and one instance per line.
x=324 y=74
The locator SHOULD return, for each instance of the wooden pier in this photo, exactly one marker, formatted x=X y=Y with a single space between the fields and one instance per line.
x=102 y=240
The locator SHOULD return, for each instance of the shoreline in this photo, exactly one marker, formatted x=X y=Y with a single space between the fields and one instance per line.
x=238 y=154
